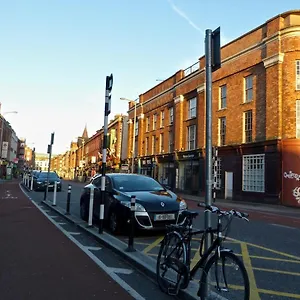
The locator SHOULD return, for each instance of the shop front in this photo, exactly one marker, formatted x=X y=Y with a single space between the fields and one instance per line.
x=189 y=171
x=148 y=166
x=167 y=170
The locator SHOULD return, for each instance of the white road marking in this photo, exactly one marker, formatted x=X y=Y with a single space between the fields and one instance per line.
x=61 y=223
x=106 y=269
x=93 y=248
x=74 y=233
x=54 y=217
x=283 y=226
x=121 y=271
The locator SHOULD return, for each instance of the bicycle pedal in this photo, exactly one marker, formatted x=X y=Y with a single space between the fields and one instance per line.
x=172 y=291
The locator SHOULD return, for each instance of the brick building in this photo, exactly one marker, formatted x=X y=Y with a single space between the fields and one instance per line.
x=256 y=119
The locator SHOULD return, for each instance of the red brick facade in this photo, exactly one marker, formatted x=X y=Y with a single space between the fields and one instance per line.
x=259 y=71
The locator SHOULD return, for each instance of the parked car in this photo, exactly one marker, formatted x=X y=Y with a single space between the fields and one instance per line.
x=40 y=181
x=156 y=206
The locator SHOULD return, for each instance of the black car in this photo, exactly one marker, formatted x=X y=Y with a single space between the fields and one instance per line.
x=156 y=206
x=40 y=181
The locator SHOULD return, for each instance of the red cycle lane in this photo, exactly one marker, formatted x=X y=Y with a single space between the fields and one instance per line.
x=37 y=261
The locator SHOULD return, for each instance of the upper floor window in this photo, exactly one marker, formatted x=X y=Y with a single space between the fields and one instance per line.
x=297 y=119
x=154 y=121
x=162 y=118
x=161 y=143
x=153 y=144
x=298 y=75
x=192 y=137
x=248 y=126
x=171 y=143
x=147 y=124
x=222 y=131
x=223 y=97
x=192 y=108
x=171 y=114
x=248 y=88
x=147 y=146
x=136 y=127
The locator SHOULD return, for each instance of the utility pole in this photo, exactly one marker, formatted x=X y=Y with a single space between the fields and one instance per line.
x=49 y=164
x=107 y=108
x=212 y=63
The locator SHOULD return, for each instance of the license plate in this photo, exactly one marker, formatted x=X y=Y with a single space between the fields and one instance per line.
x=164 y=217
x=50 y=185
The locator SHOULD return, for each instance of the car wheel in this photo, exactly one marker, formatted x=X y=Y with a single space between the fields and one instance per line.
x=84 y=212
x=114 y=225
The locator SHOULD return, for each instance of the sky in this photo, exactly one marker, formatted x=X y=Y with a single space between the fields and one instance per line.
x=55 y=55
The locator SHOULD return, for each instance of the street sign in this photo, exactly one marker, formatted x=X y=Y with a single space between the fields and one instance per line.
x=4 y=150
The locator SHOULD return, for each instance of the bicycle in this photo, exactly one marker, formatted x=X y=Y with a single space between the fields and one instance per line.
x=175 y=253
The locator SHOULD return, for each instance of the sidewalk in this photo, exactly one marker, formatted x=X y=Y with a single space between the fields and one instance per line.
x=230 y=204
x=37 y=261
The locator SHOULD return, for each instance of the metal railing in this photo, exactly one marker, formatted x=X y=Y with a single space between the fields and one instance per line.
x=191 y=69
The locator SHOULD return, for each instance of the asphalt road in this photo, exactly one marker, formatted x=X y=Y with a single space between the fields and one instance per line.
x=269 y=245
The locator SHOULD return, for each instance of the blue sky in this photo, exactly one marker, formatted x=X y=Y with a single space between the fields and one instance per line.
x=55 y=55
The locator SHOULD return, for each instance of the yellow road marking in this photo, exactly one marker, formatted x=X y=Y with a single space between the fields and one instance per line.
x=141 y=243
x=153 y=245
x=195 y=259
x=152 y=254
x=269 y=250
x=272 y=258
x=277 y=271
x=282 y=294
x=254 y=295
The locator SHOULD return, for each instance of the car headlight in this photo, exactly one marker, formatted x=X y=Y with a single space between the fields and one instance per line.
x=182 y=205
x=138 y=207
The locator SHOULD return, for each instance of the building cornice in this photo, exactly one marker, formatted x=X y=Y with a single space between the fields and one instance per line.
x=201 y=88
x=273 y=60
x=178 y=99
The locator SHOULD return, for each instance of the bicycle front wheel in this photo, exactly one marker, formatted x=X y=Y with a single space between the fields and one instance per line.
x=171 y=269
x=226 y=277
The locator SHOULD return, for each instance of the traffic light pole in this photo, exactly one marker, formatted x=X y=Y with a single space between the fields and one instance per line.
x=49 y=165
x=109 y=84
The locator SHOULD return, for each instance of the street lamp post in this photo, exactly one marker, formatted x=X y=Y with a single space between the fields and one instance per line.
x=133 y=135
x=2 y=128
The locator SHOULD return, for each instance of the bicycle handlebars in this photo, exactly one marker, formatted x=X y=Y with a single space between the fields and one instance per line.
x=232 y=212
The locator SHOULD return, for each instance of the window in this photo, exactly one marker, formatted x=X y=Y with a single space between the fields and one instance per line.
x=248 y=88
x=298 y=75
x=171 y=146
x=162 y=118
x=223 y=96
x=147 y=146
x=192 y=108
x=154 y=121
x=254 y=173
x=171 y=114
x=147 y=124
x=136 y=127
x=192 y=137
x=161 y=143
x=153 y=144
x=222 y=131
x=248 y=126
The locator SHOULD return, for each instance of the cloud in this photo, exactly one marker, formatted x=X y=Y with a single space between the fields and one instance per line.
x=184 y=16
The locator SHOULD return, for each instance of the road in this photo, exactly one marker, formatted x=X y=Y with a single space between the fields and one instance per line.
x=269 y=245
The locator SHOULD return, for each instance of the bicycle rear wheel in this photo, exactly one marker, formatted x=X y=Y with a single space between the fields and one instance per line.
x=171 y=269
x=226 y=278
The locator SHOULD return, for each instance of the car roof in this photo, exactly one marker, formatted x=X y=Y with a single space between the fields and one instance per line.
x=112 y=175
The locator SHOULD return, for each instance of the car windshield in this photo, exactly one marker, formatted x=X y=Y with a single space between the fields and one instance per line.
x=136 y=183
x=51 y=175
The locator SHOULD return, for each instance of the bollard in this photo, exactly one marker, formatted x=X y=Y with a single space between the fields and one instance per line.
x=91 y=207
x=54 y=193
x=31 y=184
x=130 y=247
x=27 y=180
x=68 y=200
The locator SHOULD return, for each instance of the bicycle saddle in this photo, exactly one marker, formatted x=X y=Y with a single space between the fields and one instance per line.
x=190 y=213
